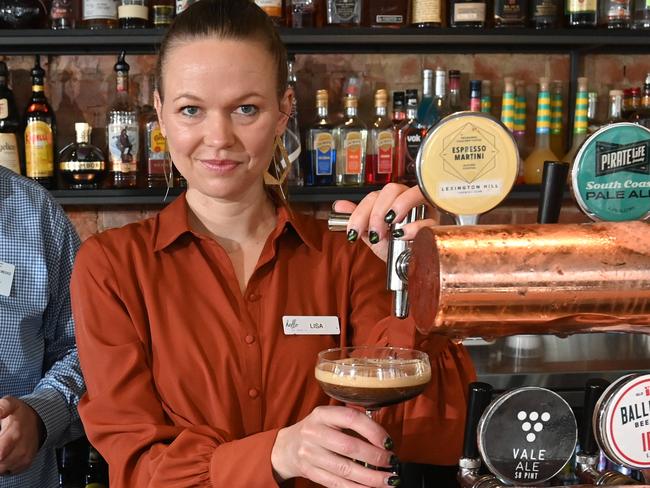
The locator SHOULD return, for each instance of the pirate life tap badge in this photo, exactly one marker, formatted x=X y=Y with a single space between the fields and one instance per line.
x=526 y=436
x=611 y=173
x=467 y=163
x=622 y=421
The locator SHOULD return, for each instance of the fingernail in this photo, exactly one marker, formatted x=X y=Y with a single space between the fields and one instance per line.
x=397 y=233
x=373 y=237
x=352 y=235
x=393 y=481
x=334 y=205
x=393 y=461
x=388 y=443
x=390 y=216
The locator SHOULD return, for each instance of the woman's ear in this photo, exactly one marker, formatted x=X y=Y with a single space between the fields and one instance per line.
x=157 y=103
x=285 y=111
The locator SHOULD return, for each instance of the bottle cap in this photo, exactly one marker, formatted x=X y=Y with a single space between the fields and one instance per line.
x=582 y=84
x=509 y=84
x=615 y=93
x=350 y=102
x=398 y=99
x=611 y=173
x=121 y=65
x=381 y=97
x=322 y=96
x=38 y=73
x=543 y=84
x=82 y=129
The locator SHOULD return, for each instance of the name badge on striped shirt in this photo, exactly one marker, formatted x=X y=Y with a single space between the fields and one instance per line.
x=6 y=278
x=311 y=325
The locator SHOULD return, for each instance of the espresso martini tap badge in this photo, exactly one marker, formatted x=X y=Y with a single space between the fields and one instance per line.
x=611 y=173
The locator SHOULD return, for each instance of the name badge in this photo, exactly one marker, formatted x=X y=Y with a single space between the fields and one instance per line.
x=310 y=325
x=6 y=278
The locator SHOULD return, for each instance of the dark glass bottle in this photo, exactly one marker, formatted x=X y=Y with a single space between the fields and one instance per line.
x=385 y=13
x=467 y=13
x=133 y=14
x=23 y=14
x=304 y=13
x=40 y=132
x=63 y=14
x=344 y=13
x=475 y=95
x=9 y=124
x=95 y=476
x=81 y=164
x=582 y=13
x=99 y=14
x=409 y=138
x=545 y=14
x=510 y=13
x=455 y=104
x=161 y=12
x=399 y=112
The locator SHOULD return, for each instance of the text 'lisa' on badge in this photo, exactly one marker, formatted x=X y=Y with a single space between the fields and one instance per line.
x=311 y=325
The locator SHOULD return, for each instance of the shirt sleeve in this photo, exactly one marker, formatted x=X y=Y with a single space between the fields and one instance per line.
x=125 y=418
x=56 y=396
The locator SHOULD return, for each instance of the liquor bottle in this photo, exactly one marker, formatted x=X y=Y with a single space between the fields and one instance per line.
x=157 y=164
x=398 y=108
x=440 y=94
x=631 y=102
x=428 y=13
x=381 y=143
x=427 y=113
x=467 y=13
x=23 y=14
x=99 y=14
x=580 y=121
x=94 y=475
x=486 y=97
x=545 y=14
x=615 y=107
x=475 y=95
x=81 y=164
x=409 y=138
x=273 y=9
x=351 y=140
x=162 y=12
x=508 y=103
x=582 y=13
x=557 y=128
x=519 y=131
x=534 y=164
x=344 y=13
x=385 y=13
x=133 y=14
x=62 y=14
x=9 y=124
x=510 y=13
x=40 y=130
x=642 y=115
x=321 y=146
x=618 y=14
x=641 y=14
x=122 y=132
x=593 y=124
x=304 y=13
x=291 y=136
x=455 y=104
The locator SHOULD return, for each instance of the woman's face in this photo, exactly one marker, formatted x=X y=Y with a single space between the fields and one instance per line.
x=221 y=114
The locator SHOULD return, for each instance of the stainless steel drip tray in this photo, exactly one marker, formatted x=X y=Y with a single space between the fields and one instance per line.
x=560 y=364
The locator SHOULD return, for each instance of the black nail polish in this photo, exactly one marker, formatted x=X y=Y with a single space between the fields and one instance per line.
x=393 y=461
x=388 y=443
x=352 y=235
x=390 y=216
x=373 y=237
x=393 y=481
x=397 y=233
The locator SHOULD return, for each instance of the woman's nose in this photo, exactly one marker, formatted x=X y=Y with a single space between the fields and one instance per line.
x=218 y=132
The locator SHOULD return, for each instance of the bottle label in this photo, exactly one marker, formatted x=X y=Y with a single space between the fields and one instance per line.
x=581 y=6
x=99 y=9
x=123 y=148
x=389 y=19
x=353 y=152
x=324 y=153
x=469 y=12
x=343 y=11
x=4 y=108
x=475 y=104
x=413 y=141
x=133 y=12
x=385 y=151
x=74 y=166
x=543 y=125
x=61 y=9
x=9 y=152
x=427 y=11
x=39 y=153
x=157 y=150
x=611 y=173
x=273 y=8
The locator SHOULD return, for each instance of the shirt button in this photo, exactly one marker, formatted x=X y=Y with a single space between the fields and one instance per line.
x=249 y=339
x=253 y=297
x=253 y=393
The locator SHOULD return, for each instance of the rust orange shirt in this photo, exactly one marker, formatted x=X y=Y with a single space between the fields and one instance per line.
x=189 y=379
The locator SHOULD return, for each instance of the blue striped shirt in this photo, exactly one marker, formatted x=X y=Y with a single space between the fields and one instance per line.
x=38 y=354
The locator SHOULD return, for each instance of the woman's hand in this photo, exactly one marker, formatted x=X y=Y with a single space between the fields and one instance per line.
x=316 y=449
x=370 y=219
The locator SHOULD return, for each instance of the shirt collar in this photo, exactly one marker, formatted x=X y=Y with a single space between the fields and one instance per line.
x=173 y=222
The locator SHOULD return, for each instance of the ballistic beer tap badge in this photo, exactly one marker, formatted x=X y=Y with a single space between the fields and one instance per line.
x=611 y=173
x=527 y=435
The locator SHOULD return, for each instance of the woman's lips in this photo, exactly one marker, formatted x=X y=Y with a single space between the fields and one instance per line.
x=220 y=166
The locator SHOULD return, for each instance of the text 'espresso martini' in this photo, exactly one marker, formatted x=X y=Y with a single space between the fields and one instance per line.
x=373 y=382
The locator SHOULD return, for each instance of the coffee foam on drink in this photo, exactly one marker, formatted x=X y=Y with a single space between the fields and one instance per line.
x=416 y=373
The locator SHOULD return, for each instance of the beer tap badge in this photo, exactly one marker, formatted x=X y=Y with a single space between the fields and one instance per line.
x=622 y=421
x=611 y=173
x=467 y=163
x=527 y=436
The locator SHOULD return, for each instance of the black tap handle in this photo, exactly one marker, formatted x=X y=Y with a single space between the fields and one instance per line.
x=550 y=198
x=593 y=390
x=480 y=395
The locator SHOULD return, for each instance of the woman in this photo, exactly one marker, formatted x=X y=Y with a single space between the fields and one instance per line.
x=192 y=380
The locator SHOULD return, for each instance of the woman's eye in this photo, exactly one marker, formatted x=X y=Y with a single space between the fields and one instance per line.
x=248 y=110
x=190 y=111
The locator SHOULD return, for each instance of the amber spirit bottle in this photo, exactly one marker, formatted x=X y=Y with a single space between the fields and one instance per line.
x=344 y=12
x=385 y=13
x=122 y=131
x=351 y=140
x=534 y=164
x=321 y=146
x=63 y=14
x=9 y=124
x=467 y=13
x=409 y=138
x=156 y=166
x=582 y=13
x=161 y=12
x=40 y=130
x=545 y=14
x=580 y=121
x=428 y=13
x=510 y=13
x=133 y=14
x=99 y=14
x=304 y=13
x=273 y=9
x=81 y=164
x=381 y=143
